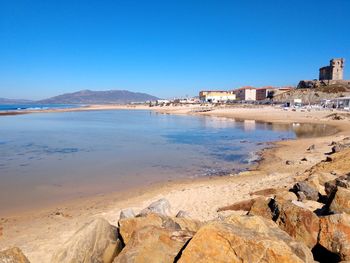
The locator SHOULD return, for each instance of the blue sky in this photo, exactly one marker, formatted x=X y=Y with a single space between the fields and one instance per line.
x=166 y=48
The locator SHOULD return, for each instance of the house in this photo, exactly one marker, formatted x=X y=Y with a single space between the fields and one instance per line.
x=265 y=93
x=246 y=93
x=215 y=96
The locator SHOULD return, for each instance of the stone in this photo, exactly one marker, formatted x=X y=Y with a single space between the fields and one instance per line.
x=183 y=214
x=341 y=201
x=153 y=244
x=244 y=239
x=299 y=222
x=325 y=177
x=127 y=213
x=301 y=196
x=311 y=147
x=162 y=207
x=308 y=189
x=336 y=148
x=335 y=234
x=288 y=162
x=130 y=225
x=13 y=255
x=261 y=208
x=244 y=205
x=96 y=242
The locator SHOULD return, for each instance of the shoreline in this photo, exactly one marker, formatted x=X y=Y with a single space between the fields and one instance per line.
x=198 y=196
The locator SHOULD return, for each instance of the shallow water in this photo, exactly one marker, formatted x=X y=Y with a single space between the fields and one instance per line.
x=51 y=157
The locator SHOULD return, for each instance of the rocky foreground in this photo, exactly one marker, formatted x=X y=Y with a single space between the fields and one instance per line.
x=308 y=222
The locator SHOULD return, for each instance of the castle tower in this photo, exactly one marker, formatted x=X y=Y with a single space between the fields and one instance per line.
x=337 y=66
x=335 y=70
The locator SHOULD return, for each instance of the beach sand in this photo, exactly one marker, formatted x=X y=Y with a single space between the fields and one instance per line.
x=39 y=232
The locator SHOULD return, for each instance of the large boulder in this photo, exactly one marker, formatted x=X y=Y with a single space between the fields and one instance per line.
x=244 y=239
x=153 y=244
x=161 y=207
x=129 y=225
x=96 y=242
x=244 y=205
x=308 y=188
x=300 y=223
x=261 y=208
x=13 y=255
x=127 y=213
x=335 y=234
x=341 y=201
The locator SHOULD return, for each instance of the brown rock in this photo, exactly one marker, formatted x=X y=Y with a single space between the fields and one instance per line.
x=341 y=201
x=245 y=205
x=335 y=234
x=13 y=255
x=153 y=244
x=96 y=242
x=310 y=191
x=300 y=223
x=129 y=225
x=261 y=207
x=244 y=239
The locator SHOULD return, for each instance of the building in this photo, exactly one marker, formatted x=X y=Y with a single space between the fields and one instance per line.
x=265 y=93
x=342 y=103
x=329 y=75
x=215 y=96
x=246 y=93
x=335 y=70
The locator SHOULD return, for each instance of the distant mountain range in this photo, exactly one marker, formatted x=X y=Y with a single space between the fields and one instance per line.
x=91 y=97
x=4 y=101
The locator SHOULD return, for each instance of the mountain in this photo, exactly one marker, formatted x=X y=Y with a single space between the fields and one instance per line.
x=99 y=97
x=4 y=101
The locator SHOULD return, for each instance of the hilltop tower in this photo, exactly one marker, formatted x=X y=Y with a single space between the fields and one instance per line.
x=335 y=70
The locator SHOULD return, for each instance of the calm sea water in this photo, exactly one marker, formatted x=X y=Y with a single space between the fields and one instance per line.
x=45 y=158
x=16 y=107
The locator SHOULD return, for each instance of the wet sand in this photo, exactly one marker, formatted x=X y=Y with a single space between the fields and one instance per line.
x=39 y=232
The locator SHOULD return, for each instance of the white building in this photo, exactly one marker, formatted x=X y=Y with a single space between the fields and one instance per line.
x=215 y=96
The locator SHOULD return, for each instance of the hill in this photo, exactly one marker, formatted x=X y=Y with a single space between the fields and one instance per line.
x=99 y=97
x=4 y=101
x=314 y=95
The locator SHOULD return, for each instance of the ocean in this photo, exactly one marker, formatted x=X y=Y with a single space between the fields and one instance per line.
x=47 y=158
x=21 y=107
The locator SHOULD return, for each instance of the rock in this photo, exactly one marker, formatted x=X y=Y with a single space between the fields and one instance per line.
x=304 y=159
x=261 y=208
x=13 y=255
x=308 y=189
x=286 y=196
x=127 y=213
x=300 y=223
x=289 y=162
x=245 y=205
x=328 y=159
x=341 y=201
x=129 y=225
x=96 y=242
x=330 y=188
x=325 y=177
x=162 y=207
x=183 y=214
x=335 y=234
x=244 y=239
x=153 y=244
x=301 y=196
x=336 y=149
x=311 y=148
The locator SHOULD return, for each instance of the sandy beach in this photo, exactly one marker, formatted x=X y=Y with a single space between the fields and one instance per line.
x=39 y=232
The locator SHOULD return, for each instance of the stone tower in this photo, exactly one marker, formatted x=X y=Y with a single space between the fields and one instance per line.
x=334 y=71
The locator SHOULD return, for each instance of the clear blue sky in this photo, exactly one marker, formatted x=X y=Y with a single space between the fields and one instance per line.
x=166 y=48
